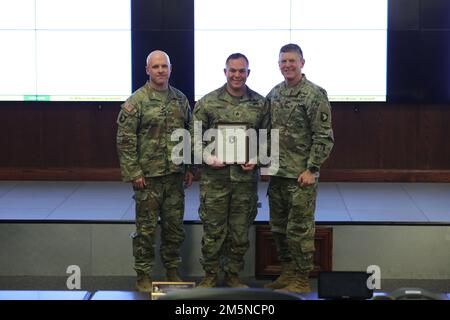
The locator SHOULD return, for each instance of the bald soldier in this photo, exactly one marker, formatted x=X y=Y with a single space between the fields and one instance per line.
x=301 y=112
x=145 y=124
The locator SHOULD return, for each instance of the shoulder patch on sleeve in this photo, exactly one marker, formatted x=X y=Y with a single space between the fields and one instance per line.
x=323 y=116
x=128 y=107
x=122 y=118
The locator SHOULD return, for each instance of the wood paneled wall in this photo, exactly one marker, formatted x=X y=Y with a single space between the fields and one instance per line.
x=58 y=135
x=386 y=142
x=373 y=142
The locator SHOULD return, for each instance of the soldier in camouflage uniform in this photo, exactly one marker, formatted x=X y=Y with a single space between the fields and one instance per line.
x=228 y=193
x=145 y=124
x=300 y=110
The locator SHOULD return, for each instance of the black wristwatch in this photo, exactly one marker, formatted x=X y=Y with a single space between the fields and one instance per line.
x=313 y=169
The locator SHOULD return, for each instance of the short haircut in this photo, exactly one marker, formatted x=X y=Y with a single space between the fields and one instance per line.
x=292 y=47
x=235 y=56
x=157 y=51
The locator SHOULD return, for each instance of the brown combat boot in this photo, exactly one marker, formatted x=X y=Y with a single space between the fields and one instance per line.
x=143 y=283
x=299 y=284
x=232 y=280
x=172 y=275
x=286 y=276
x=209 y=281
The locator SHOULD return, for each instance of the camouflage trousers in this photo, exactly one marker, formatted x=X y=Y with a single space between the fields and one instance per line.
x=292 y=221
x=163 y=198
x=227 y=210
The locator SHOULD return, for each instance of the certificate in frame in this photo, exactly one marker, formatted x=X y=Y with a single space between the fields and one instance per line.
x=232 y=143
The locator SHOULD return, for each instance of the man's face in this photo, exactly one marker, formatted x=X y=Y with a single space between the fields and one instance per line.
x=159 y=68
x=236 y=72
x=291 y=64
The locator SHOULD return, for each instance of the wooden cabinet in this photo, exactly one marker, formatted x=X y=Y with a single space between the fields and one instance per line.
x=266 y=260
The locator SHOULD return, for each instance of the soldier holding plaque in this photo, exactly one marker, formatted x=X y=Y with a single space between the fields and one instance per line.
x=228 y=185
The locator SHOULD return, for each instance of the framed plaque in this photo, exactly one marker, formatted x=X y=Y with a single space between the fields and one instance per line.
x=160 y=288
x=232 y=143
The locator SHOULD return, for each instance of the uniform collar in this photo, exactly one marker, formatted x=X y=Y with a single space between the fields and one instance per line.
x=295 y=90
x=225 y=96
x=152 y=93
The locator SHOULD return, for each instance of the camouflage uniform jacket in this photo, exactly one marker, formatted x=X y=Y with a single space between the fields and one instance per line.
x=302 y=114
x=218 y=107
x=145 y=124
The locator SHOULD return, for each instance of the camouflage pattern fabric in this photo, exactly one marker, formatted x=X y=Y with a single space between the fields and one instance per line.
x=227 y=210
x=145 y=124
x=292 y=221
x=163 y=198
x=228 y=196
x=220 y=107
x=302 y=114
